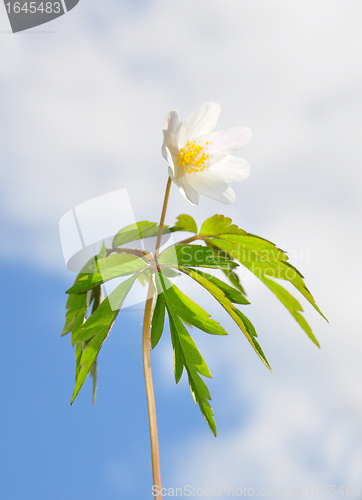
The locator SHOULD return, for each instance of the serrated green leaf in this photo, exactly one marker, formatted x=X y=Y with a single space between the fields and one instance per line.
x=186 y=354
x=306 y=293
x=90 y=353
x=267 y=261
x=102 y=317
x=233 y=312
x=195 y=256
x=68 y=327
x=97 y=297
x=231 y=293
x=219 y=224
x=96 y=329
x=261 y=264
x=260 y=352
x=78 y=355
x=76 y=306
x=93 y=297
x=108 y=268
x=93 y=373
x=185 y=223
x=251 y=247
x=186 y=308
x=178 y=357
x=234 y=280
x=247 y=323
x=192 y=357
x=292 y=305
x=158 y=320
x=201 y=394
x=137 y=231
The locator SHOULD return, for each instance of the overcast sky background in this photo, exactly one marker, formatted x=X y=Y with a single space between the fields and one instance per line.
x=82 y=104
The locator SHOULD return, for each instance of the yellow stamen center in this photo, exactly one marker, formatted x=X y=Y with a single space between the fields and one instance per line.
x=192 y=158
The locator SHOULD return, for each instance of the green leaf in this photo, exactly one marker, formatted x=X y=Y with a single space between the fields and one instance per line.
x=292 y=305
x=260 y=262
x=247 y=323
x=219 y=224
x=169 y=272
x=231 y=293
x=97 y=297
x=178 y=357
x=108 y=268
x=195 y=256
x=229 y=273
x=102 y=252
x=233 y=312
x=306 y=293
x=68 y=327
x=137 y=231
x=185 y=223
x=158 y=320
x=186 y=354
x=78 y=355
x=104 y=313
x=93 y=373
x=192 y=357
x=267 y=261
x=96 y=329
x=77 y=306
x=234 y=280
x=250 y=247
x=260 y=352
x=201 y=395
x=184 y=307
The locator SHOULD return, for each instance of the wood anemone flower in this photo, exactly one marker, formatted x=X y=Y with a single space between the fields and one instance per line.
x=199 y=159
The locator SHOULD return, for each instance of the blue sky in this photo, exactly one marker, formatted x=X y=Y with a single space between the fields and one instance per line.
x=81 y=116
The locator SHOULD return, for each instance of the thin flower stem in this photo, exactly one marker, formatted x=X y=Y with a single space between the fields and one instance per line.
x=147 y=359
x=162 y=220
x=149 y=389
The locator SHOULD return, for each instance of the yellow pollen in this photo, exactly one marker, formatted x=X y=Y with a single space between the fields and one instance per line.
x=191 y=158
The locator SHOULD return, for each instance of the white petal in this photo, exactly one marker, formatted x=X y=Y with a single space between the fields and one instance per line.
x=227 y=141
x=202 y=121
x=171 y=128
x=232 y=169
x=187 y=190
x=167 y=155
x=170 y=173
x=212 y=185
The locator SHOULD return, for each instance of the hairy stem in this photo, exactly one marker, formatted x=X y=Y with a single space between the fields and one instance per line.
x=147 y=359
x=149 y=389
x=162 y=220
